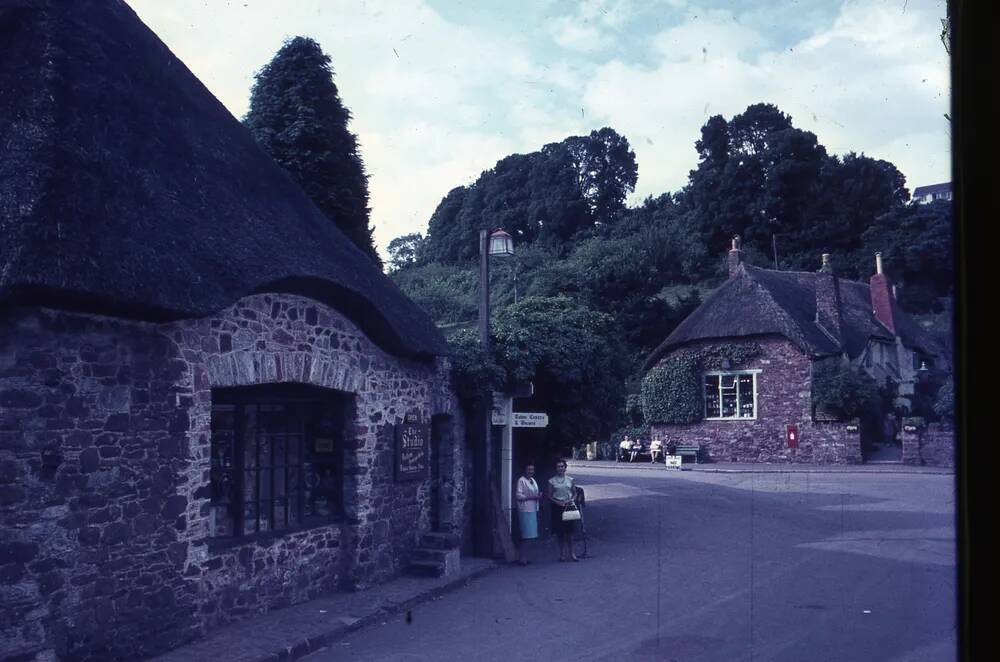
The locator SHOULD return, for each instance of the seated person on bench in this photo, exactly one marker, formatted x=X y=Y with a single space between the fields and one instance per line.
x=623 y=448
x=635 y=450
x=655 y=450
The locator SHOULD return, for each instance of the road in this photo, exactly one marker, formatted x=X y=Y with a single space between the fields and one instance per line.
x=693 y=567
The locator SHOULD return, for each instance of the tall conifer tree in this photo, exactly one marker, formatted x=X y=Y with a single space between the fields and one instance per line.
x=297 y=117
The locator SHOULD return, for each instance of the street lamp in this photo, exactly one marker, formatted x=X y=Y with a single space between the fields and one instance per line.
x=497 y=244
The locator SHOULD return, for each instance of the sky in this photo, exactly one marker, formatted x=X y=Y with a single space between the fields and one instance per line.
x=440 y=90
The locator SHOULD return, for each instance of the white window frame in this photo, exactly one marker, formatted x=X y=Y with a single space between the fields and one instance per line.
x=737 y=373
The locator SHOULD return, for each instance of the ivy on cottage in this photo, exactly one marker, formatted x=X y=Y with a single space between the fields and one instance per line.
x=671 y=391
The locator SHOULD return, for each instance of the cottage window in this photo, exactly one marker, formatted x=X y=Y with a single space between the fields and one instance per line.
x=275 y=460
x=731 y=395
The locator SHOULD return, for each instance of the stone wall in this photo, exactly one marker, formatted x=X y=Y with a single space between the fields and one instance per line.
x=784 y=397
x=104 y=470
x=928 y=444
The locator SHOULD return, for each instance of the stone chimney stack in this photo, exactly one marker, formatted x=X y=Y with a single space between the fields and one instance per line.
x=829 y=313
x=883 y=301
x=735 y=256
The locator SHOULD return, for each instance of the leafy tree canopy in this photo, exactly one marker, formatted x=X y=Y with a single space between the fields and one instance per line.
x=297 y=117
x=405 y=251
x=545 y=196
x=575 y=357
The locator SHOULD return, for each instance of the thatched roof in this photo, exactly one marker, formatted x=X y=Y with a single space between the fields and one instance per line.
x=126 y=188
x=762 y=302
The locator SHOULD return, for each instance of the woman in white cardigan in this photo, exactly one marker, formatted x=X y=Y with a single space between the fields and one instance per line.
x=528 y=496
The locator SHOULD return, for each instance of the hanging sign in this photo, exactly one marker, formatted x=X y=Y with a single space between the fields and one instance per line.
x=673 y=461
x=413 y=445
x=499 y=411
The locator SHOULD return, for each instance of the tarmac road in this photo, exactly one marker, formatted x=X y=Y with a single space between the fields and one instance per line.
x=712 y=567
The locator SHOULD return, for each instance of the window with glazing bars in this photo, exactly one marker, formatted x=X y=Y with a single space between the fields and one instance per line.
x=272 y=468
x=731 y=395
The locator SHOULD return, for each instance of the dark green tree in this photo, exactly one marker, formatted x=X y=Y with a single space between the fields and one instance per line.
x=405 y=251
x=607 y=171
x=917 y=246
x=297 y=117
x=544 y=197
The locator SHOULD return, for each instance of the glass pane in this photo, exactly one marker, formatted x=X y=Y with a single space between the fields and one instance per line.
x=249 y=485
x=264 y=478
x=279 y=444
x=711 y=396
x=728 y=404
x=728 y=382
x=279 y=515
x=264 y=446
x=249 y=518
x=745 y=383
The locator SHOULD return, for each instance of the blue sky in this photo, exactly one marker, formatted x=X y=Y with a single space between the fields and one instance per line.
x=440 y=90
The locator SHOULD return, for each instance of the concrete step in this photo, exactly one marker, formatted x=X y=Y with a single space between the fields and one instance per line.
x=439 y=540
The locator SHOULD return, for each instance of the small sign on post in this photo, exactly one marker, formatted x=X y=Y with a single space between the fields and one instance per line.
x=413 y=445
x=673 y=461
x=526 y=419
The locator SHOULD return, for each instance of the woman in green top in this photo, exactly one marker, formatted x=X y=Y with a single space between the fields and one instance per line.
x=561 y=493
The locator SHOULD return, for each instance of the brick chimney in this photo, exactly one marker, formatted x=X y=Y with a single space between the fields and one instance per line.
x=735 y=256
x=828 y=308
x=883 y=303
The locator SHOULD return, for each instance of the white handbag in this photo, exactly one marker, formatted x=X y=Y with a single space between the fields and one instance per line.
x=571 y=515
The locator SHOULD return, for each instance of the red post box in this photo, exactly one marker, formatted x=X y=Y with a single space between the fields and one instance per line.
x=792 y=435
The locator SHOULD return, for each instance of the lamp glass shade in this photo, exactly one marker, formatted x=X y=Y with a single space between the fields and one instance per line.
x=501 y=244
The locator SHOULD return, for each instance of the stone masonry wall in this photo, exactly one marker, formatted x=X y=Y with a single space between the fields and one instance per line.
x=104 y=469
x=931 y=445
x=783 y=397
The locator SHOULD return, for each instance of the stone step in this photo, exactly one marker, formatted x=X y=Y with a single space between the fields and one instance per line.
x=427 y=568
x=428 y=554
x=439 y=540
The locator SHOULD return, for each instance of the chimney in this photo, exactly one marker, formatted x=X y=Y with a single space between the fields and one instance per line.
x=735 y=256
x=883 y=302
x=828 y=308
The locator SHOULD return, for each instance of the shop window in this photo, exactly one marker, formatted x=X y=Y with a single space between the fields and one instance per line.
x=277 y=459
x=731 y=395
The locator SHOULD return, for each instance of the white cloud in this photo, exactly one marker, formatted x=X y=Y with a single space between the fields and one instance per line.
x=854 y=87
x=436 y=102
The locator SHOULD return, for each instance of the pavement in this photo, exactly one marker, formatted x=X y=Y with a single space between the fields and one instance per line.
x=756 y=468
x=296 y=631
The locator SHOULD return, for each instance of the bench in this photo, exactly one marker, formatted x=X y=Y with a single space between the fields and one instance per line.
x=692 y=450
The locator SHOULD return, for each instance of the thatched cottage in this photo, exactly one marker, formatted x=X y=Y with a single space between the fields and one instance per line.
x=756 y=343
x=211 y=403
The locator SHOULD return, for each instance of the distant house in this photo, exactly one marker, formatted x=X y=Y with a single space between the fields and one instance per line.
x=212 y=404
x=786 y=323
x=926 y=194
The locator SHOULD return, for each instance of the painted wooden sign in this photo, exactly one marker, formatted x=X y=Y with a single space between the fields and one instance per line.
x=413 y=446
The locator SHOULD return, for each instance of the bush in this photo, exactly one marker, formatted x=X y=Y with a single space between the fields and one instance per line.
x=474 y=373
x=671 y=393
x=944 y=405
x=842 y=391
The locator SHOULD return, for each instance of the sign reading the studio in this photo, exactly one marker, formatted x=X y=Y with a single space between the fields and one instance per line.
x=413 y=445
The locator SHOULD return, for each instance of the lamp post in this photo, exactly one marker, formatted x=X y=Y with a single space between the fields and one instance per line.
x=496 y=244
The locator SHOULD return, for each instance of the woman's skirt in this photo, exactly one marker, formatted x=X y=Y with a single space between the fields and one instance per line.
x=558 y=526
x=528 y=522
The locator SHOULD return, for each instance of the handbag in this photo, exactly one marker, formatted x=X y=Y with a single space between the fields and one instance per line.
x=571 y=515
